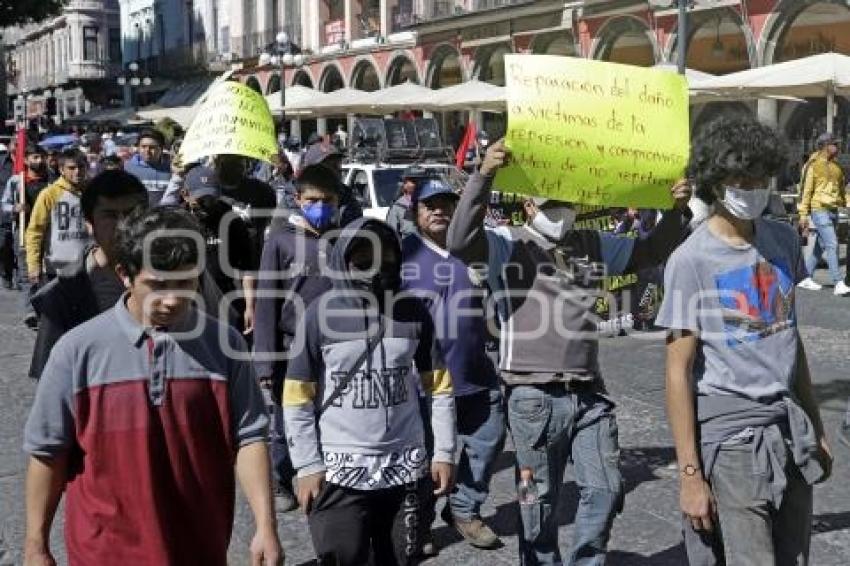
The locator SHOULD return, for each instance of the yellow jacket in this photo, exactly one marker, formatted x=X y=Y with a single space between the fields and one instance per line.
x=56 y=230
x=823 y=185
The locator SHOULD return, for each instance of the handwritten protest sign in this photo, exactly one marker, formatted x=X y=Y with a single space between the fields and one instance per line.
x=233 y=119
x=594 y=132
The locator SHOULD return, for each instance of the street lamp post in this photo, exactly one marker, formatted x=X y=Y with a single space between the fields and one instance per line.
x=132 y=81
x=283 y=53
x=683 y=35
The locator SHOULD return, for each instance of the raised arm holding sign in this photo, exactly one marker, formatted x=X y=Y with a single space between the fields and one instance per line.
x=593 y=132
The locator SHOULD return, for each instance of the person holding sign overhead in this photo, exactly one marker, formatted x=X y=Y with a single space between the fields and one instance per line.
x=545 y=276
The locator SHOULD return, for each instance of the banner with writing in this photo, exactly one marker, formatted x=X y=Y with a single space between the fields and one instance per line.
x=233 y=119
x=594 y=132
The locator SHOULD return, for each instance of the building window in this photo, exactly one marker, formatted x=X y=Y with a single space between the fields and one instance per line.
x=115 y=45
x=90 y=43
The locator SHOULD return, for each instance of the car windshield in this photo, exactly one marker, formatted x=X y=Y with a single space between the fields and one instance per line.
x=387 y=185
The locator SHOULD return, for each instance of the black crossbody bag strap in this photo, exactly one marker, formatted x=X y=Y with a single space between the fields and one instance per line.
x=355 y=367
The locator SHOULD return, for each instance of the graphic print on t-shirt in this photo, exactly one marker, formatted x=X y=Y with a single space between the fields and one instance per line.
x=757 y=301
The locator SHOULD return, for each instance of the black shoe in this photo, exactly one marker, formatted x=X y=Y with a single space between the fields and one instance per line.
x=284 y=500
x=31 y=320
x=428 y=549
x=8 y=283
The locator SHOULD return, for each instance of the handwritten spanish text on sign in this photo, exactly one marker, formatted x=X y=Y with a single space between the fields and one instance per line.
x=594 y=132
x=234 y=119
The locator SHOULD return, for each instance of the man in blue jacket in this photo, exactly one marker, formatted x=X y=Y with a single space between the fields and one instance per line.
x=150 y=166
x=290 y=279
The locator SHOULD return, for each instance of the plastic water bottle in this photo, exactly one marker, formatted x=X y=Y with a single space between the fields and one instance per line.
x=527 y=490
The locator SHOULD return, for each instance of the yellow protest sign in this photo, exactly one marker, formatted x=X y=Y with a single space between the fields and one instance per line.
x=594 y=132
x=233 y=119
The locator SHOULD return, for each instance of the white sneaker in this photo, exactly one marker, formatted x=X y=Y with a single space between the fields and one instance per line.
x=809 y=283
x=841 y=289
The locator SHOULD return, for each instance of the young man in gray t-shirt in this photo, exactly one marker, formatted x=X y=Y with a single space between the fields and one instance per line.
x=748 y=434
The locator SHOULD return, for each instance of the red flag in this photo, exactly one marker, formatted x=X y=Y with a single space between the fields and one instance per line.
x=19 y=163
x=20 y=168
x=465 y=144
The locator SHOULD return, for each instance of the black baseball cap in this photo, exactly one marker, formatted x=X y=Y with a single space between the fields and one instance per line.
x=433 y=187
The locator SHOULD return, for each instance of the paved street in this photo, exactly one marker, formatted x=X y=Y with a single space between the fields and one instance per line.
x=647 y=533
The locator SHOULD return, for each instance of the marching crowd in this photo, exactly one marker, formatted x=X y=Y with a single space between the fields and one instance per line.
x=222 y=322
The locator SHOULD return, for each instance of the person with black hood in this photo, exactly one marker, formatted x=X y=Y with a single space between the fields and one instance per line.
x=290 y=279
x=400 y=215
x=351 y=404
x=251 y=199
x=227 y=237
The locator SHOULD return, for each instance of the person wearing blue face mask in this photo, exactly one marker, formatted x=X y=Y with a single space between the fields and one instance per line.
x=290 y=279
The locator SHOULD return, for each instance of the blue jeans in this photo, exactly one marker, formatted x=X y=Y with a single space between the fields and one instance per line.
x=551 y=425
x=825 y=222
x=481 y=437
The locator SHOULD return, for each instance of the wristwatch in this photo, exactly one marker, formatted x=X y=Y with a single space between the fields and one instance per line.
x=690 y=470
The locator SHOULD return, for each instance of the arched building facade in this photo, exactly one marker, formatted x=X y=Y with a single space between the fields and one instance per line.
x=723 y=37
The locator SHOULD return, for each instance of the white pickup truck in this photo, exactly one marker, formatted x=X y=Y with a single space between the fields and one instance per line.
x=376 y=185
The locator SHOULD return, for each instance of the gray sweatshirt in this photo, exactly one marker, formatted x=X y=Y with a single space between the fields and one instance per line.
x=371 y=436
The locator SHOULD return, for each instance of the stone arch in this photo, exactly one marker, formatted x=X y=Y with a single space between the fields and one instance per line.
x=445 y=67
x=705 y=28
x=365 y=75
x=402 y=68
x=626 y=39
x=556 y=43
x=254 y=83
x=273 y=84
x=303 y=77
x=780 y=27
x=490 y=65
x=331 y=78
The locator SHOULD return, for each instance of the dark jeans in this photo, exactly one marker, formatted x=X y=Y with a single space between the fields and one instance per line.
x=282 y=471
x=752 y=532
x=552 y=425
x=7 y=251
x=481 y=437
x=349 y=525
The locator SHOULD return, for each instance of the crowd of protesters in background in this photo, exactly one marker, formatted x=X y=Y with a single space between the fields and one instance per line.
x=200 y=324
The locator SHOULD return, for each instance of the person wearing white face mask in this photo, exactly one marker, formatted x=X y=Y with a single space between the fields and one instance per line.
x=546 y=277
x=739 y=394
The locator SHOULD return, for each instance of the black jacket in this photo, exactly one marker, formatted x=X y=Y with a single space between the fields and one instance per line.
x=290 y=273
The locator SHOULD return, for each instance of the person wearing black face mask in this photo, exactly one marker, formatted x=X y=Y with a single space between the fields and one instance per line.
x=223 y=228
x=359 y=448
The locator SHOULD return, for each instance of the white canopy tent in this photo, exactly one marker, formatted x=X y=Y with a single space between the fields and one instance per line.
x=342 y=101
x=297 y=98
x=823 y=75
x=399 y=97
x=469 y=95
